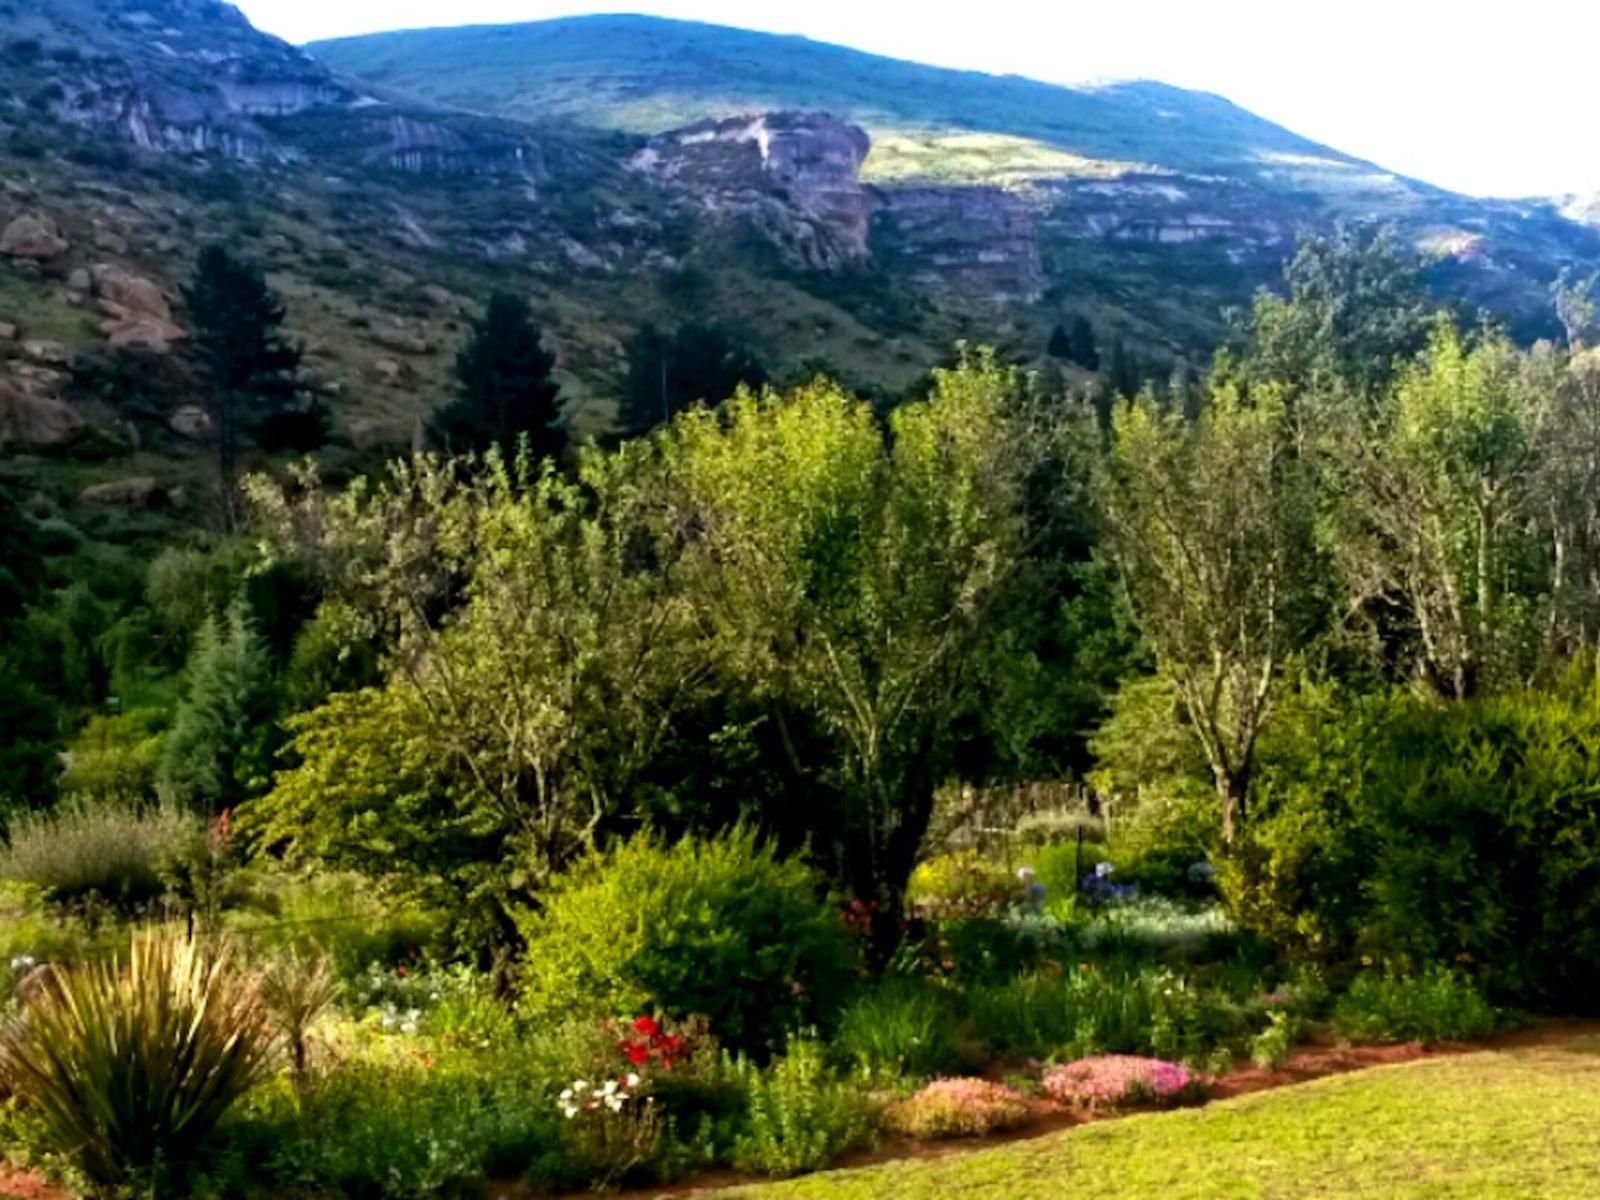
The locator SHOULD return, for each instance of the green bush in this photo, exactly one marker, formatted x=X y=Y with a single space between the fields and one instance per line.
x=128 y=1064
x=1415 y=835
x=1439 y=1005
x=801 y=1117
x=115 y=853
x=899 y=1027
x=723 y=928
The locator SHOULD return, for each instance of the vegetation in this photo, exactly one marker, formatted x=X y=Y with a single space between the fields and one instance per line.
x=505 y=387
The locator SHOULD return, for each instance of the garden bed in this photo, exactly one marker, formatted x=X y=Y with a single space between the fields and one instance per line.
x=1306 y=1064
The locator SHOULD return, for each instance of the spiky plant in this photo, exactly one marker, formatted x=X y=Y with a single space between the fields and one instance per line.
x=129 y=1063
x=297 y=986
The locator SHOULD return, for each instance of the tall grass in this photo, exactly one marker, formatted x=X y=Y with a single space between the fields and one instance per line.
x=117 y=852
x=128 y=1064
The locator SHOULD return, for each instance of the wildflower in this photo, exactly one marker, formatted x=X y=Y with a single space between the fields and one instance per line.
x=401 y=971
x=647 y=1026
x=630 y=1080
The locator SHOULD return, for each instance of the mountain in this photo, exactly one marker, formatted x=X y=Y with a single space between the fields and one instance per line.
x=841 y=211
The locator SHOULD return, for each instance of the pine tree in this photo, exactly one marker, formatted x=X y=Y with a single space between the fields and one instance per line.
x=667 y=372
x=1124 y=376
x=238 y=325
x=219 y=752
x=505 y=385
x=1060 y=344
x=1081 y=347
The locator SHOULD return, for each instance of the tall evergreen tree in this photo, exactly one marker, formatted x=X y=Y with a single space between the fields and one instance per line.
x=238 y=326
x=219 y=752
x=667 y=372
x=1124 y=376
x=1060 y=344
x=505 y=386
x=1081 y=347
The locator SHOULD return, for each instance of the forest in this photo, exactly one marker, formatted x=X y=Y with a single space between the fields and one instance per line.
x=801 y=771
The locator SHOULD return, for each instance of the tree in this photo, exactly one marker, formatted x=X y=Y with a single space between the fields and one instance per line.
x=1124 y=375
x=853 y=584
x=668 y=372
x=1436 y=520
x=1210 y=525
x=1355 y=310
x=219 y=752
x=1081 y=347
x=252 y=370
x=505 y=386
x=1060 y=344
x=535 y=652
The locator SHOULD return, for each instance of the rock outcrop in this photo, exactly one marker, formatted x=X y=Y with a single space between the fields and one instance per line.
x=794 y=176
x=137 y=491
x=137 y=315
x=36 y=422
x=33 y=236
x=981 y=241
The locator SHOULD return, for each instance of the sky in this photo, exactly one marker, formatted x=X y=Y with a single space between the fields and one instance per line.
x=1488 y=97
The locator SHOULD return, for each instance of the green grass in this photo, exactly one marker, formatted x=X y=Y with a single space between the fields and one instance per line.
x=1513 y=1123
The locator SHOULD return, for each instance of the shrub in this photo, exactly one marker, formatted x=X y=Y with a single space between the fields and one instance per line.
x=1439 y=1005
x=1418 y=835
x=900 y=1027
x=1270 y=1048
x=297 y=989
x=723 y=928
x=1110 y=1080
x=129 y=1064
x=958 y=1108
x=115 y=852
x=963 y=883
x=800 y=1115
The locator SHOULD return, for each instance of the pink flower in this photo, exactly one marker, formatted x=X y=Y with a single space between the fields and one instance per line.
x=1112 y=1079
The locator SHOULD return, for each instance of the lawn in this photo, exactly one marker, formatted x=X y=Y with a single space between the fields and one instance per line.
x=1518 y=1122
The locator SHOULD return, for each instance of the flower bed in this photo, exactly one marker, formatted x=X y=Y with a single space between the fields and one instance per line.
x=1110 y=1080
x=957 y=1108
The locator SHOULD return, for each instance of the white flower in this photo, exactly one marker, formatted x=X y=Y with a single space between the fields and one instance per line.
x=610 y=1088
x=632 y=1080
x=614 y=1103
x=570 y=1110
x=566 y=1096
x=23 y=962
x=581 y=1085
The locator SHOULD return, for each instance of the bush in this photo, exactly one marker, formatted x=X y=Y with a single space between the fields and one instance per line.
x=1111 y=1080
x=801 y=1117
x=116 y=853
x=964 y=883
x=723 y=928
x=958 y=1108
x=1439 y=1005
x=1415 y=835
x=128 y=1065
x=900 y=1027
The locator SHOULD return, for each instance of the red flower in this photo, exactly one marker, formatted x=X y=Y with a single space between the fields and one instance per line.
x=646 y=1026
x=637 y=1054
x=400 y=971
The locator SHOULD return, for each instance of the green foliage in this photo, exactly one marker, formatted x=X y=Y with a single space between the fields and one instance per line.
x=693 y=364
x=219 y=752
x=800 y=1117
x=1416 y=835
x=506 y=390
x=1355 y=310
x=900 y=1027
x=98 y=851
x=1270 y=1049
x=129 y=1064
x=724 y=928
x=1439 y=1005
x=30 y=756
x=116 y=758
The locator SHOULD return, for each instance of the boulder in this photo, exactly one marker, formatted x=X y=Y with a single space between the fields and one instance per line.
x=130 y=293
x=391 y=372
x=8 y=332
x=137 y=491
x=46 y=353
x=33 y=237
x=36 y=422
x=110 y=242
x=190 y=421
x=400 y=339
x=80 y=280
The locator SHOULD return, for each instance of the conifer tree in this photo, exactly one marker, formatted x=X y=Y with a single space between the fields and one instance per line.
x=505 y=387
x=1060 y=344
x=219 y=752
x=1081 y=347
x=238 y=328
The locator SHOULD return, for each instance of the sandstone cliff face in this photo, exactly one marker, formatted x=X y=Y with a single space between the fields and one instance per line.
x=980 y=241
x=1172 y=210
x=794 y=176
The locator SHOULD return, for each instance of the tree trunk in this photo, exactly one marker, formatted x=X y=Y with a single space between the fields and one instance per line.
x=1232 y=787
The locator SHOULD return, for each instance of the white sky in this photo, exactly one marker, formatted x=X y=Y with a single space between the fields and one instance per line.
x=1485 y=96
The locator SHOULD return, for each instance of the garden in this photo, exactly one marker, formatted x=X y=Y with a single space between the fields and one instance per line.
x=802 y=783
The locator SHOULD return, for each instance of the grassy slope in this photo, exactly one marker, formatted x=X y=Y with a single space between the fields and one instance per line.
x=1513 y=1124
x=644 y=75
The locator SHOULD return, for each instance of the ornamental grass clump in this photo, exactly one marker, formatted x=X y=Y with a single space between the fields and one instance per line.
x=1112 y=1080
x=128 y=1064
x=957 y=1108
